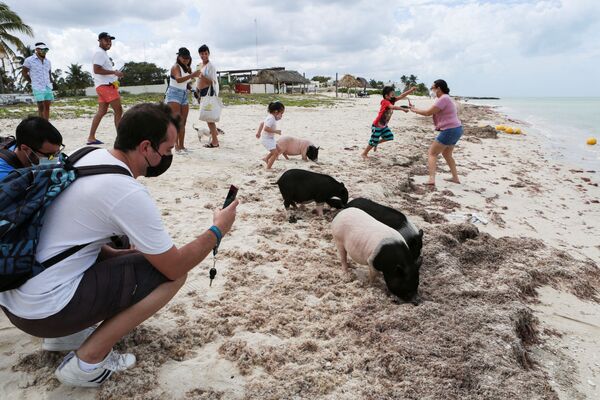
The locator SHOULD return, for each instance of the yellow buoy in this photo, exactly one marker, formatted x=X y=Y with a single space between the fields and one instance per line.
x=500 y=127
x=509 y=130
x=591 y=141
x=518 y=131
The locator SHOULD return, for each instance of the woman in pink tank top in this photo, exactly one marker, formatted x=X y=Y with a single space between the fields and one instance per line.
x=446 y=121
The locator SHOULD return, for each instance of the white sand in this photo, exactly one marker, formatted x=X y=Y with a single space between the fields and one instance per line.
x=507 y=180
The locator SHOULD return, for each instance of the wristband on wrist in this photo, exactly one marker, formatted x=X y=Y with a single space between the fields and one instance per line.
x=218 y=234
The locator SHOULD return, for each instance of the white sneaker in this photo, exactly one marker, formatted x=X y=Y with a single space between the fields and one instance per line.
x=69 y=373
x=67 y=343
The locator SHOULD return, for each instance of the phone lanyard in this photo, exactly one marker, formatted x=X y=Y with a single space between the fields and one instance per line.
x=213 y=271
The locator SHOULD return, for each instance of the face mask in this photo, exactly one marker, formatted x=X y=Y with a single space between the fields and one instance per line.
x=161 y=167
x=433 y=94
x=46 y=161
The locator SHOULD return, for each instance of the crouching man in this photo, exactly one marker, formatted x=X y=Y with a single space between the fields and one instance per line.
x=119 y=289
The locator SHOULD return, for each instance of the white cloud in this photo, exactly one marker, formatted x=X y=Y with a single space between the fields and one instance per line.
x=479 y=47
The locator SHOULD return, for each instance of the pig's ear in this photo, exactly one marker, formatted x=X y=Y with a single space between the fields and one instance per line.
x=421 y=233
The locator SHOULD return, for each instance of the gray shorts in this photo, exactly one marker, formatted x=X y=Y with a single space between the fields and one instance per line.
x=107 y=288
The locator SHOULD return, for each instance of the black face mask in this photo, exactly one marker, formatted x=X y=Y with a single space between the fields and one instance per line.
x=161 y=167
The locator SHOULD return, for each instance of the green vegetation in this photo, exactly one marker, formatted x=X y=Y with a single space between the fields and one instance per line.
x=410 y=81
x=290 y=100
x=142 y=73
x=10 y=25
x=76 y=107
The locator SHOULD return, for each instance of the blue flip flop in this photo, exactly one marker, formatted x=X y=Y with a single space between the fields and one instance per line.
x=95 y=142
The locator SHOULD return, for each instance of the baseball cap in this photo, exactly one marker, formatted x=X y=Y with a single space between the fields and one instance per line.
x=41 y=46
x=183 y=52
x=105 y=35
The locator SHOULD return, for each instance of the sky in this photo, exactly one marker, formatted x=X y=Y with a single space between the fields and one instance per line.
x=508 y=48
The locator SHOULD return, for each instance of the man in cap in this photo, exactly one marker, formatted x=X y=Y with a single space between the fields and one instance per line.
x=106 y=82
x=37 y=71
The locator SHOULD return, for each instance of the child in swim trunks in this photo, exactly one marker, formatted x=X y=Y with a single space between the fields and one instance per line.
x=268 y=129
x=380 y=132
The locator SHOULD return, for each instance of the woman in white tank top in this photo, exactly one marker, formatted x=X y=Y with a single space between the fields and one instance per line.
x=177 y=93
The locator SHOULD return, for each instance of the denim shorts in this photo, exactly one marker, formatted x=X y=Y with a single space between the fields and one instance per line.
x=176 y=95
x=449 y=137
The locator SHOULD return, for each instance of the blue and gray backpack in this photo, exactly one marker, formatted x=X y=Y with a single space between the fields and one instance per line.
x=25 y=194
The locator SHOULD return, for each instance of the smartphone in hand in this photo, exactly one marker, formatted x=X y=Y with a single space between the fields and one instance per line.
x=230 y=195
x=404 y=107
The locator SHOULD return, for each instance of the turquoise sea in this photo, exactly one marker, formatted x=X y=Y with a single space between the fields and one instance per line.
x=562 y=123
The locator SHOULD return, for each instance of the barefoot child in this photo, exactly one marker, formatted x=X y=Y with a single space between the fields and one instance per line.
x=269 y=130
x=380 y=132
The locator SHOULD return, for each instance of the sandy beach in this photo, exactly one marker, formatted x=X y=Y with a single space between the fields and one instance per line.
x=510 y=308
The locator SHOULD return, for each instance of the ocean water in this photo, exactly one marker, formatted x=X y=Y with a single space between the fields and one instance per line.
x=563 y=124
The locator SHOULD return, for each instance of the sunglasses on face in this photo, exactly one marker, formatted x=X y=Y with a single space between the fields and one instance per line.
x=50 y=156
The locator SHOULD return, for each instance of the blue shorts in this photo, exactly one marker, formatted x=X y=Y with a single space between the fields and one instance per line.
x=176 y=95
x=380 y=133
x=43 y=94
x=449 y=137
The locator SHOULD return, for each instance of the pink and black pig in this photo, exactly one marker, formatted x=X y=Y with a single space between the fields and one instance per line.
x=299 y=186
x=370 y=242
x=395 y=220
x=291 y=146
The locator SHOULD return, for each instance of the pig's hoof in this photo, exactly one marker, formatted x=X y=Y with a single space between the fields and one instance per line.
x=293 y=220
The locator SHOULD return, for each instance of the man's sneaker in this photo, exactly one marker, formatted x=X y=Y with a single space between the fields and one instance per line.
x=67 y=343
x=69 y=373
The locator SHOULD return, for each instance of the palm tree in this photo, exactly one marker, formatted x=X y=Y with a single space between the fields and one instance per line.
x=77 y=78
x=26 y=51
x=10 y=23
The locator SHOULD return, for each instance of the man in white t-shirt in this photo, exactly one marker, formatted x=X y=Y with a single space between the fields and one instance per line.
x=107 y=85
x=37 y=70
x=208 y=85
x=97 y=284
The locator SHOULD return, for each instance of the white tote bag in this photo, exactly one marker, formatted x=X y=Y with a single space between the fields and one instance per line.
x=211 y=106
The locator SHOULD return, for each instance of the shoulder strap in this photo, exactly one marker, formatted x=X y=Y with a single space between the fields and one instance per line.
x=7 y=142
x=11 y=158
x=89 y=170
x=82 y=152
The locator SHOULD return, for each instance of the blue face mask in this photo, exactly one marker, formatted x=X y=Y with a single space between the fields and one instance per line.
x=55 y=159
x=47 y=161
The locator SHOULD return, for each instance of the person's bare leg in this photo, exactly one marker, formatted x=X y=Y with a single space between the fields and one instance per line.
x=272 y=157
x=185 y=109
x=447 y=153
x=102 y=109
x=40 y=105
x=213 y=133
x=118 y=110
x=47 y=110
x=99 y=344
x=176 y=110
x=434 y=151
x=365 y=153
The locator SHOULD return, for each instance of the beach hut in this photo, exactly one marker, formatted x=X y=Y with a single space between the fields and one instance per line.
x=270 y=81
x=349 y=82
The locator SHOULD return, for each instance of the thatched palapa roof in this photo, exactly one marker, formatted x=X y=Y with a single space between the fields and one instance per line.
x=279 y=77
x=348 y=81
